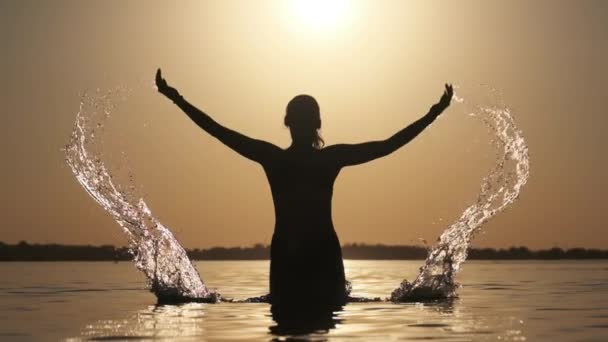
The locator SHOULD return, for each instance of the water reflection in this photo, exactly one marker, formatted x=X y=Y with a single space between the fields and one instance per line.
x=294 y=321
x=225 y=321
x=444 y=306
x=447 y=320
x=154 y=322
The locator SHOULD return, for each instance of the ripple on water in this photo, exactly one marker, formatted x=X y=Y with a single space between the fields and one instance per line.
x=598 y=326
x=568 y=309
x=429 y=325
x=13 y=334
x=123 y=338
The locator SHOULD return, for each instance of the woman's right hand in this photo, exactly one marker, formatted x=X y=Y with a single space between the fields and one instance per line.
x=164 y=88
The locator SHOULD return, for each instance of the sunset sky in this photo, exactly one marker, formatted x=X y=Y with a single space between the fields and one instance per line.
x=374 y=67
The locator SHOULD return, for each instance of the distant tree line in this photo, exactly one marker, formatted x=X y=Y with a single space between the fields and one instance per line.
x=24 y=251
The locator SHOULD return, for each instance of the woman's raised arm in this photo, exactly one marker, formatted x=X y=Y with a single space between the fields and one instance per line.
x=256 y=150
x=353 y=154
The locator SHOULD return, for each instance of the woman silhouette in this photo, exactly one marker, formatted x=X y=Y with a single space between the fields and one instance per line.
x=305 y=259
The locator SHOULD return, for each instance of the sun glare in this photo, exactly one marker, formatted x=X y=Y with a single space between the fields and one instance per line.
x=320 y=15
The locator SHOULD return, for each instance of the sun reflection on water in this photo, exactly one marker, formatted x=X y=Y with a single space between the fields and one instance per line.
x=447 y=319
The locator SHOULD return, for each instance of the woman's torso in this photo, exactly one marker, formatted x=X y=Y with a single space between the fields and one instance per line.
x=302 y=187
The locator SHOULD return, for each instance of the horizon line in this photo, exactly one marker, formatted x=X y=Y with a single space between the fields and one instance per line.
x=262 y=245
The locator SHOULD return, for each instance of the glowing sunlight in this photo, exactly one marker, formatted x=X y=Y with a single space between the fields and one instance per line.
x=320 y=15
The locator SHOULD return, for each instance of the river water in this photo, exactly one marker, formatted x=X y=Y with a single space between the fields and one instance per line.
x=502 y=300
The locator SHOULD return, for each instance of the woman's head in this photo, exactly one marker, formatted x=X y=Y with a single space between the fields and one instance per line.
x=303 y=118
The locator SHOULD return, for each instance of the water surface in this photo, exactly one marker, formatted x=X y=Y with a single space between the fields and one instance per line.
x=513 y=301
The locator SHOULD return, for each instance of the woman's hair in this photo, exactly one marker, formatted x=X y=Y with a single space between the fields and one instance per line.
x=303 y=116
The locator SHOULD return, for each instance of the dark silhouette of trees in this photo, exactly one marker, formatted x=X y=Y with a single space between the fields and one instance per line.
x=24 y=251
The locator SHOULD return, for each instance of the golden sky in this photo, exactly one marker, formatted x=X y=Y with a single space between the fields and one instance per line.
x=374 y=66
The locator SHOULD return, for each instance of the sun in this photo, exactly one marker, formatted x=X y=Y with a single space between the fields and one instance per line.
x=319 y=15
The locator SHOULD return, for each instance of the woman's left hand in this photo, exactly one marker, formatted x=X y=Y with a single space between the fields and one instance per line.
x=446 y=98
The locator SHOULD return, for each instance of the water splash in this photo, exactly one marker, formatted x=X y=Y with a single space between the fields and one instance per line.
x=499 y=189
x=156 y=252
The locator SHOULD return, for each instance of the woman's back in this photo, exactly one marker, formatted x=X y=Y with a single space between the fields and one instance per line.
x=302 y=183
x=306 y=259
